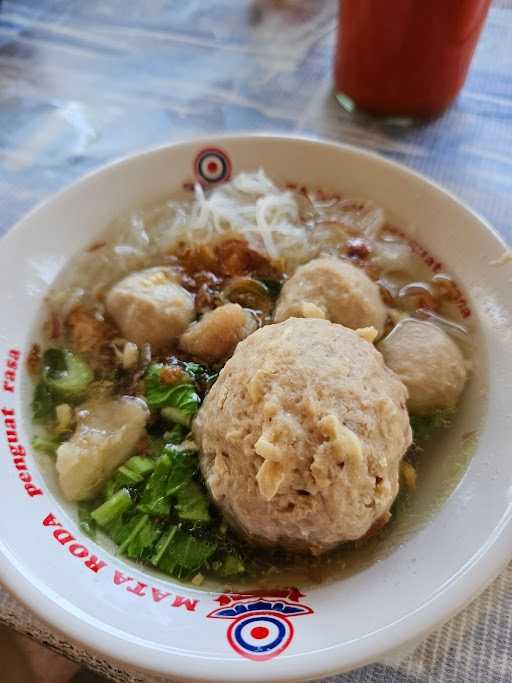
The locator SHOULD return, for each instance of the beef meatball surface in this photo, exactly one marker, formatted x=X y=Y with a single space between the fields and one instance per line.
x=151 y=306
x=302 y=435
x=333 y=289
x=428 y=362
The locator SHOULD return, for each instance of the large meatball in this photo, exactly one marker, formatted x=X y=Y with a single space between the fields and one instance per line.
x=428 y=362
x=302 y=434
x=215 y=336
x=333 y=289
x=150 y=306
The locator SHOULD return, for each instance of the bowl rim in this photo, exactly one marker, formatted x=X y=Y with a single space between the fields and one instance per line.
x=462 y=588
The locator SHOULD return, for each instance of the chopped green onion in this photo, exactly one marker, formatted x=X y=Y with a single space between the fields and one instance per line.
x=112 y=508
x=66 y=375
x=140 y=465
x=128 y=477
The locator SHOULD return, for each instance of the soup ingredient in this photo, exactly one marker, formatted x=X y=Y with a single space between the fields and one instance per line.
x=149 y=306
x=428 y=362
x=106 y=434
x=216 y=335
x=369 y=334
x=408 y=473
x=333 y=289
x=170 y=389
x=88 y=332
x=85 y=521
x=112 y=508
x=250 y=293
x=156 y=509
x=45 y=444
x=126 y=353
x=251 y=207
x=65 y=378
x=66 y=375
x=65 y=415
x=423 y=426
x=302 y=435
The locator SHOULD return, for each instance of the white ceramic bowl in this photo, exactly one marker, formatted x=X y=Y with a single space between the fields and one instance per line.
x=440 y=557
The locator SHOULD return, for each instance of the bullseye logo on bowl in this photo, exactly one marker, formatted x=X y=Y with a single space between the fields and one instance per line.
x=212 y=166
x=260 y=627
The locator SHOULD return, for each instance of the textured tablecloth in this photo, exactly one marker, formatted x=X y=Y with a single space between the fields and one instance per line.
x=84 y=82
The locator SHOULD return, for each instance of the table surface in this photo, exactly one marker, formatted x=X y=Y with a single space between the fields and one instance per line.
x=82 y=83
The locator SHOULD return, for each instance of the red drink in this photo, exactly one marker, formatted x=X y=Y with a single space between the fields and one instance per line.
x=406 y=57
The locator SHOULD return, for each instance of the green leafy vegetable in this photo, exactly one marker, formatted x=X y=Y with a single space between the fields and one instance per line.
x=200 y=373
x=186 y=405
x=85 y=519
x=139 y=465
x=45 y=444
x=66 y=376
x=158 y=394
x=232 y=565
x=112 y=508
x=162 y=545
x=173 y=469
x=178 y=402
x=195 y=370
x=134 y=471
x=43 y=403
x=183 y=466
x=156 y=510
x=192 y=503
x=155 y=498
x=141 y=537
x=175 y=435
x=185 y=554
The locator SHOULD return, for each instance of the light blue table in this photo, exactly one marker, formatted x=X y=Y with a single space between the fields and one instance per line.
x=84 y=82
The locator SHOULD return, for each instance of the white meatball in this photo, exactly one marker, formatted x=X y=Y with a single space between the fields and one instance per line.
x=150 y=306
x=106 y=434
x=335 y=290
x=218 y=332
x=302 y=435
x=428 y=362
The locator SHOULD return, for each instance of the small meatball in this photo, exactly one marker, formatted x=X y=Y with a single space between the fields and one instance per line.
x=333 y=289
x=106 y=435
x=302 y=435
x=151 y=307
x=428 y=362
x=218 y=332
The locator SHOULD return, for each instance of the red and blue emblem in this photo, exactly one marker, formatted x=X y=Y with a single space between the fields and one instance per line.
x=212 y=166
x=260 y=627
